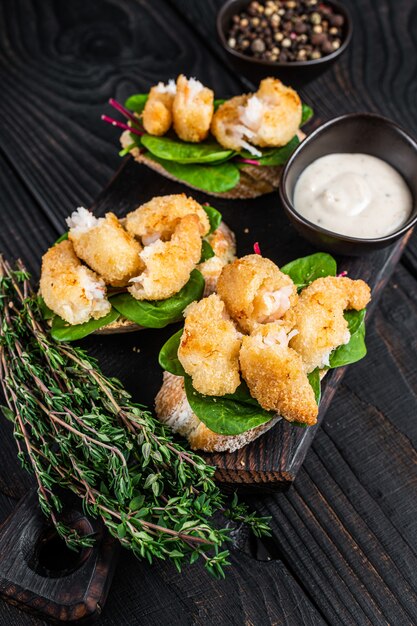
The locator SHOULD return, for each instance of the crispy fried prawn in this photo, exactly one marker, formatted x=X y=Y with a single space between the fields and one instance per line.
x=276 y=376
x=223 y=244
x=168 y=264
x=192 y=109
x=157 y=218
x=70 y=289
x=105 y=246
x=268 y=118
x=318 y=317
x=255 y=291
x=209 y=348
x=157 y=114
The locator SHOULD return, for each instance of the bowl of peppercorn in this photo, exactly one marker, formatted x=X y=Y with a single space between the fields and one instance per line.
x=293 y=40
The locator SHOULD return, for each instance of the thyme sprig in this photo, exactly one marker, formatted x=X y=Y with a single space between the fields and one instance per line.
x=77 y=429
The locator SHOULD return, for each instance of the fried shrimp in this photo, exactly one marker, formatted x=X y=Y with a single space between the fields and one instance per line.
x=70 y=289
x=192 y=109
x=157 y=218
x=105 y=246
x=157 y=114
x=209 y=348
x=318 y=317
x=223 y=244
x=268 y=118
x=276 y=376
x=168 y=264
x=255 y=291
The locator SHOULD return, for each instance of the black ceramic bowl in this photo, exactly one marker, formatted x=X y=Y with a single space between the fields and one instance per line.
x=294 y=73
x=358 y=132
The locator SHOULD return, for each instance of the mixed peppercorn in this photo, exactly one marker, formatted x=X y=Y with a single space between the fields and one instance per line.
x=279 y=30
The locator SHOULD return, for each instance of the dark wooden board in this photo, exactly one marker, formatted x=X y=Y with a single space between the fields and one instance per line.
x=59 y=63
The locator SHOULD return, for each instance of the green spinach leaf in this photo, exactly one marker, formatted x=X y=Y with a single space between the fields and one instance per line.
x=306 y=113
x=218 y=102
x=314 y=380
x=231 y=414
x=214 y=216
x=182 y=152
x=356 y=348
x=62 y=331
x=63 y=237
x=207 y=252
x=303 y=271
x=137 y=102
x=213 y=178
x=279 y=156
x=159 y=313
x=45 y=311
x=168 y=355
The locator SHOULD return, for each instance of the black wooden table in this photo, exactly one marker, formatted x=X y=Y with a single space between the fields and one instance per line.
x=344 y=544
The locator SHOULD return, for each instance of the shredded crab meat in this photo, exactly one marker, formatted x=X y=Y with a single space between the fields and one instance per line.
x=194 y=86
x=93 y=289
x=251 y=113
x=272 y=305
x=82 y=220
x=169 y=87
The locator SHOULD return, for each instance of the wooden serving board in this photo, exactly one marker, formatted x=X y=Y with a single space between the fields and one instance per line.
x=272 y=461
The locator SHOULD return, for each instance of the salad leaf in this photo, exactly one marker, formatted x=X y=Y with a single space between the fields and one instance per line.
x=207 y=252
x=62 y=331
x=159 y=313
x=45 y=311
x=279 y=156
x=356 y=348
x=63 y=237
x=314 y=380
x=303 y=271
x=182 y=152
x=231 y=414
x=168 y=355
x=213 y=178
x=215 y=217
x=306 y=113
x=218 y=102
x=137 y=102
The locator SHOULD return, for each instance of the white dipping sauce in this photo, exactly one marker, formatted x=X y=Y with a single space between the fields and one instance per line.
x=353 y=194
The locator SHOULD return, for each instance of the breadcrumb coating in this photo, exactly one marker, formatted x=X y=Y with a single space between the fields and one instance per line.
x=192 y=109
x=276 y=376
x=157 y=113
x=168 y=264
x=255 y=291
x=70 y=289
x=209 y=348
x=318 y=317
x=157 y=218
x=224 y=247
x=268 y=118
x=106 y=247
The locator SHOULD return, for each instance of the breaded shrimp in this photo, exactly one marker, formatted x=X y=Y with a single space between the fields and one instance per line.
x=318 y=317
x=157 y=218
x=255 y=291
x=192 y=109
x=276 y=376
x=223 y=244
x=70 y=289
x=209 y=348
x=157 y=114
x=168 y=264
x=105 y=246
x=268 y=118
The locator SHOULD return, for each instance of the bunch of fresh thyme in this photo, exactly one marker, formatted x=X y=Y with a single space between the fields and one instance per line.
x=79 y=430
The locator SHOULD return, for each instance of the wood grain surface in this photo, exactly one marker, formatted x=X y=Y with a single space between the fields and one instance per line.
x=343 y=549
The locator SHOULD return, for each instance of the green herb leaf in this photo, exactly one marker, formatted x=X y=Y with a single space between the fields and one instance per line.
x=307 y=269
x=137 y=102
x=160 y=313
x=62 y=331
x=314 y=380
x=214 y=216
x=212 y=178
x=218 y=102
x=168 y=355
x=182 y=152
x=279 y=156
x=356 y=348
x=8 y=413
x=306 y=113
x=207 y=252
x=45 y=311
x=63 y=237
x=231 y=414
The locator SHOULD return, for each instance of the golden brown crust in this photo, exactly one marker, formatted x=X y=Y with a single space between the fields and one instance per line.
x=157 y=113
x=192 y=110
